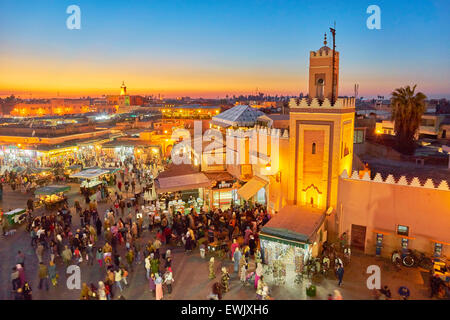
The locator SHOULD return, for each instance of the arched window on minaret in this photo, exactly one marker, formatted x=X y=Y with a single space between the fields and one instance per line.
x=320 y=88
x=313 y=149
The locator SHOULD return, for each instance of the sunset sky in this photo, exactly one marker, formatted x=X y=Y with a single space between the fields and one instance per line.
x=213 y=48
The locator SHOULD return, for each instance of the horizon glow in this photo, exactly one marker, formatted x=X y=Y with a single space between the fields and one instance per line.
x=211 y=49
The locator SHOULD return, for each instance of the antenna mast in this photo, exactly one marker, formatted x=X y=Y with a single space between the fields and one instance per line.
x=333 y=93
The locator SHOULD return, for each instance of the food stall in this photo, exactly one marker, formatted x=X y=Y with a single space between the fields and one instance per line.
x=51 y=196
x=91 y=180
x=90 y=187
x=40 y=176
x=18 y=169
x=109 y=177
x=75 y=168
x=15 y=216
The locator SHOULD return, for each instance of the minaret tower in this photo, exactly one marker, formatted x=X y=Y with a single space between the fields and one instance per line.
x=321 y=136
x=123 y=89
x=320 y=73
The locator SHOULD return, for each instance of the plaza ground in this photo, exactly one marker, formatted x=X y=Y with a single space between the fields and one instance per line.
x=190 y=270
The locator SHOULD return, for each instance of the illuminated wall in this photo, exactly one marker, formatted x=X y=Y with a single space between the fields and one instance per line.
x=54 y=107
x=380 y=205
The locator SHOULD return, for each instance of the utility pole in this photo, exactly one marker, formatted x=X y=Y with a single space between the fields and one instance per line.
x=333 y=32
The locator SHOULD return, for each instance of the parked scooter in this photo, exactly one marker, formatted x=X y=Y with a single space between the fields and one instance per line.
x=396 y=260
x=412 y=258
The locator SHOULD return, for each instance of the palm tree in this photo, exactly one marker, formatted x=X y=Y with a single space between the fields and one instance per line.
x=407 y=111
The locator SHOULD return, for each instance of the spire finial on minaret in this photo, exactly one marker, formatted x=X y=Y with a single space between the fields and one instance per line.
x=325 y=39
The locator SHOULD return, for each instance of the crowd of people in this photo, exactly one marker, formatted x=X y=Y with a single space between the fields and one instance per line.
x=139 y=231
x=113 y=240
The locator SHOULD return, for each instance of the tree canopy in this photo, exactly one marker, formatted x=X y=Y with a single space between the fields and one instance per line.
x=407 y=110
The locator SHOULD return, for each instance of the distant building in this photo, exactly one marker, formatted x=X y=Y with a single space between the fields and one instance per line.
x=56 y=106
x=123 y=103
x=432 y=126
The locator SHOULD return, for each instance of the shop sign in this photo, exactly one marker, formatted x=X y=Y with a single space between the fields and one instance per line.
x=224 y=185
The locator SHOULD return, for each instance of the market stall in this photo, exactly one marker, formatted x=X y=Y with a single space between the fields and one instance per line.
x=40 y=176
x=51 y=196
x=15 y=216
x=90 y=187
x=290 y=239
x=73 y=169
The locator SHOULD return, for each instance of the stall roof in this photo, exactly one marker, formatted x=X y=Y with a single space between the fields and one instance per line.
x=240 y=115
x=251 y=187
x=89 y=173
x=219 y=176
x=182 y=182
x=75 y=166
x=30 y=170
x=177 y=170
x=128 y=143
x=110 y=170
x=295 y=223
x=90 y=184
x=52 y=189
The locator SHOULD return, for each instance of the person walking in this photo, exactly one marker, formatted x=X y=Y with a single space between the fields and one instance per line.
x=148 y=266
x=212 y=273
x=15 y=280
x=99 y=256
x=130 y=258
x=101 y=291
x=52 y=273
x=154 y=264
x=258 y=274
x=224 y=280
x=27 y=292
x=243 y=275
x=168 y=279
x=118 y=279
x=39 y=252
x=90 y=253
x=67 y=255
x=158 y=284
x=151 y=283
x=236 y=259
x=340 y=274
x=43 y=276
x=20 y=258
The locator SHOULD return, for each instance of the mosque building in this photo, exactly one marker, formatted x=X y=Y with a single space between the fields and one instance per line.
x=314 y=195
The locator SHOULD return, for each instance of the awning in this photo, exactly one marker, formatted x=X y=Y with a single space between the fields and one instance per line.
x=90 y=183
x=182 y=182
x=251 y=187
x=295 y=223
x=49 y=190
x=89 y=174
x=220 y=124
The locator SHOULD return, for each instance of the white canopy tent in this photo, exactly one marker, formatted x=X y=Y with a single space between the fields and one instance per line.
x=89 y=174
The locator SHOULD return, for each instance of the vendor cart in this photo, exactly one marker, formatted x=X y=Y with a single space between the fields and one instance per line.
x=51 y=196
x=441 y=267
x=219 y=248
x=16 y=216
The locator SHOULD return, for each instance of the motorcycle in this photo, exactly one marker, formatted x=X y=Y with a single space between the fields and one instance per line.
x=396 y=260
x=413 y=258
